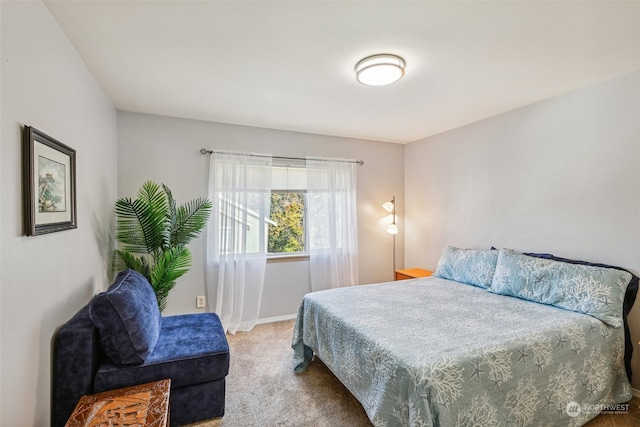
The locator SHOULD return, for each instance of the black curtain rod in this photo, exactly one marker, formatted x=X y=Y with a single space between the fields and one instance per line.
x=360 y=162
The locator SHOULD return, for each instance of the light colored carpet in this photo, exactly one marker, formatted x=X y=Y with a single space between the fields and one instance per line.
x=263 y=391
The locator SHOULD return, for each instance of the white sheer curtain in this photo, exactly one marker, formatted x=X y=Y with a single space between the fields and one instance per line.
x=332 y=227
x=240 y=189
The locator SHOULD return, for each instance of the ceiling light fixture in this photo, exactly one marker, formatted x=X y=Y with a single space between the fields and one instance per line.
x=380 y=70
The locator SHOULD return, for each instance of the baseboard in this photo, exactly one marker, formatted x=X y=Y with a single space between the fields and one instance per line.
x=635 y=392
x=276 y=319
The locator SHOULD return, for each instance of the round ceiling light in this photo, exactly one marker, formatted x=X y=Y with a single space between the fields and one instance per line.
x=380 y=70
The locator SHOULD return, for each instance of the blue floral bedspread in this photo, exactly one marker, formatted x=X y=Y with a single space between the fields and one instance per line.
x=434 y=352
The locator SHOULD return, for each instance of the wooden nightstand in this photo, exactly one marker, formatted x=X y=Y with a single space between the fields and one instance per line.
x=412 y=273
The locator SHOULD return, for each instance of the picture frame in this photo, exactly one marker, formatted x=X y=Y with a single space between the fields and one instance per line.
x=49 y=188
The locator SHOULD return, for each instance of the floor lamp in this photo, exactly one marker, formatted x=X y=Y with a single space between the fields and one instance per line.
x=392 y=229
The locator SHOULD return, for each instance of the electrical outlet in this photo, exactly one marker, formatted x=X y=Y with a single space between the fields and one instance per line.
x=200 y=301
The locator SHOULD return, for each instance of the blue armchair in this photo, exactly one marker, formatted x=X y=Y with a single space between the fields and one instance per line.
x=120 y=339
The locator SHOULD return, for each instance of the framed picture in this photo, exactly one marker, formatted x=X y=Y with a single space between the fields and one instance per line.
x=49 y=184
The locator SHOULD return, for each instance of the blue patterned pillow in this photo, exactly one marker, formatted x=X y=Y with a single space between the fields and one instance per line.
x=471 y=266
x=596 y=291
x=127 y=318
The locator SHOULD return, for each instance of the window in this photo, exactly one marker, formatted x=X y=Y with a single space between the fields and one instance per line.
x=287 y=220
x=287 y=223
x=240 y=228
x=253 y=222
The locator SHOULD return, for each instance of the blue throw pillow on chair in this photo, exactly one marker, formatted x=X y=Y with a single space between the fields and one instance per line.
x=127 y=318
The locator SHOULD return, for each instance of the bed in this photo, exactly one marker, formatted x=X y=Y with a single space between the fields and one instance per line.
x=437 y=351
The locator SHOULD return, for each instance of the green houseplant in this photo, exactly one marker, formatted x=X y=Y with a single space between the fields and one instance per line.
x=153 y=233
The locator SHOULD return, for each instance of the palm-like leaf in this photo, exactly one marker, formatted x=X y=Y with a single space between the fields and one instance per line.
x=129 y=231
x=170 y=265
x=124 y=259
x=190 y=219
x=141 y=222
x=170 y=218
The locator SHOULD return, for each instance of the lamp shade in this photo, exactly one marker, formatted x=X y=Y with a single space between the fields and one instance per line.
x=388 y=206
x=380 y=70
x=392 y=229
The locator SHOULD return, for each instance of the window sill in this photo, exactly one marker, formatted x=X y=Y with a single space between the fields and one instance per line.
x=287 y=257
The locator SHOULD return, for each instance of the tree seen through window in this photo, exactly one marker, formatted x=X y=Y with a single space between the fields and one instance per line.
x=286 y=233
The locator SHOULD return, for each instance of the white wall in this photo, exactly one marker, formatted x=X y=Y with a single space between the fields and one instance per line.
x=165 y=149
x=1 y=56
x=559 y=176
x=46 y=279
